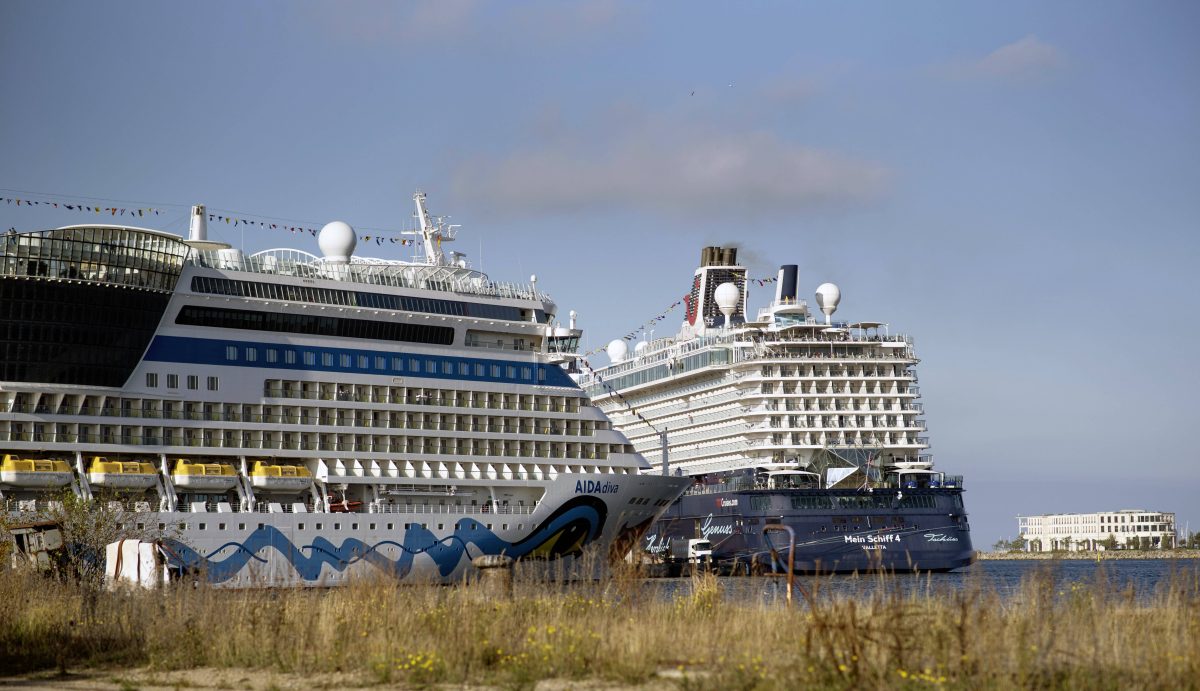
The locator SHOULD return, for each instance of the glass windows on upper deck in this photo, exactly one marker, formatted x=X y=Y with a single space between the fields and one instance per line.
x=109 y=255
x=79 y=305
x=339 y=327
x=357 y=298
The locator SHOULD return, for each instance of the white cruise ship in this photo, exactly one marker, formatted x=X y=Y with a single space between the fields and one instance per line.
x=790 y=419
x=286 y=418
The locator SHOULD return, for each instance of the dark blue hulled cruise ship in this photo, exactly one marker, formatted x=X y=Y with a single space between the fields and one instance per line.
x=785 y=421
x=291 y=419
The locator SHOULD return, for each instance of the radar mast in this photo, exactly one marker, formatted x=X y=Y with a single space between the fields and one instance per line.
x=433 y=232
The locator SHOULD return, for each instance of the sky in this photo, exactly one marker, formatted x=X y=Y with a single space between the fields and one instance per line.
x=1015 y=185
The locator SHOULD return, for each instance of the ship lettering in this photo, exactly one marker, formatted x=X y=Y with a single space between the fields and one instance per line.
x=872 y=539
x=596 y=487
x=939 y=537
x=708 y=528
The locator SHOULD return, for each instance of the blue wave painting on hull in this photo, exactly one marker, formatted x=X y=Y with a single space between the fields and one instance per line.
x=574 y=524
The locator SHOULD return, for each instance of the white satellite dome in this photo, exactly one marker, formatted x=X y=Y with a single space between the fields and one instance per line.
x=337 y=241
x=727 y=296
x=617 y=350
x=640 y=348
x=828 y=297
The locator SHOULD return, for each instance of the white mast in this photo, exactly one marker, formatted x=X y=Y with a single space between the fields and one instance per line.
x=434 y=231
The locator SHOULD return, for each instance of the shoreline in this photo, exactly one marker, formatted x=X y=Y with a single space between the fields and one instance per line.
x=1089 y=556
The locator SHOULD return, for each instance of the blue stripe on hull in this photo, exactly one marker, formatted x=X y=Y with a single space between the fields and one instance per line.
x=208 y=351
x=574 y=525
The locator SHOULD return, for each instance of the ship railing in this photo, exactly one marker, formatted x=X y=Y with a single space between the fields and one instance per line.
x=130 y=506
x=451 y=509
x=737 y=485
x=388 y=508
x=399 y=275
x=31 y=506
x=934 y=482
x=50 y=505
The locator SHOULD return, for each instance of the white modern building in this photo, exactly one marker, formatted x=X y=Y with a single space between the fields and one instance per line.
x=1131 y=528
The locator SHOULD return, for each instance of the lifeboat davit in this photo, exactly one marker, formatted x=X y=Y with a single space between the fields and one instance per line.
x=206 y=477
x=121 y=474
x=34 y=473
x=270 y=477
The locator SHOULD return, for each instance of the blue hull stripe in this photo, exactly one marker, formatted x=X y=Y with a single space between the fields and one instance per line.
x=447 y=552
x=207 y=351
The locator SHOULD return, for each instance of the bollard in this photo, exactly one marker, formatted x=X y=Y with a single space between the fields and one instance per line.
x=495 y=577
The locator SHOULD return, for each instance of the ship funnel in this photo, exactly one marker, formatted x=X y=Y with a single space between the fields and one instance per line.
x=787 y=283
x=198 y=231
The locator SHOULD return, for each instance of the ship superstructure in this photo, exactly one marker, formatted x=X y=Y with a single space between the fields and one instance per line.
x=809 y=412
x=301 y=417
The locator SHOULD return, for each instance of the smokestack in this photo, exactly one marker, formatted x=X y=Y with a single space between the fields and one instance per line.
x=787 y=282
x=731 y=257
x=198 y=231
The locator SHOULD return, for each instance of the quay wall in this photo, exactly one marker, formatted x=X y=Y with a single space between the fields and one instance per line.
x=1091 y=556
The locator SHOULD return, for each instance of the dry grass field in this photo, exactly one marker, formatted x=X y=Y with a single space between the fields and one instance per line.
x=616 y=633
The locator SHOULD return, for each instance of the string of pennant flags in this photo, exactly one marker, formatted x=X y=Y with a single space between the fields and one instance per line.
x=632 y=335
x=236 y=221
x=113 y=210
x=625 y=402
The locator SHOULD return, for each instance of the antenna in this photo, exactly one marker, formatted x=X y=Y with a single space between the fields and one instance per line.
x=433 y=231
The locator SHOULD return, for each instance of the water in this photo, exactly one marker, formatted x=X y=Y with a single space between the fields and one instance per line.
x=1144 y=576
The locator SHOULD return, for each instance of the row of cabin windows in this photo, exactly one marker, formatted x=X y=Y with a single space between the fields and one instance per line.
x=320 y=526
x=397 y=364
x=193 y=382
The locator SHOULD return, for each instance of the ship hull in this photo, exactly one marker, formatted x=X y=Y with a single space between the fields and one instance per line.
x=836 y=531
x=602 y=514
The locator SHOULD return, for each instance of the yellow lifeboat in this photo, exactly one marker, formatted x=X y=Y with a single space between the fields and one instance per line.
x=280 y=478
x=121 y=474
x=207 y=477
x=34 y=473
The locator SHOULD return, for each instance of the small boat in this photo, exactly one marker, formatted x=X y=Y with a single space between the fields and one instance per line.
x=206 y=477
x=280 y=478
x=121 y=474
x=34 y=472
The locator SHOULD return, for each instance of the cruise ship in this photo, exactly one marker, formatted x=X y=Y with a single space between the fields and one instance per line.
x=790 y=420
x=283 y=418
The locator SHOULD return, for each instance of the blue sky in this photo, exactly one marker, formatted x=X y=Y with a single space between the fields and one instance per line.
x=1013 y=184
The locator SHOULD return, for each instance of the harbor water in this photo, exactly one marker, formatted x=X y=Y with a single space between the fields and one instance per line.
x=1139 y=578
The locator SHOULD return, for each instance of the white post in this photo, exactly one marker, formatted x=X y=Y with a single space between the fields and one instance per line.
x=662 y=437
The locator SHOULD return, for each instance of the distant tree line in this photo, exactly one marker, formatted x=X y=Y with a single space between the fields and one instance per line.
x=1020 y=544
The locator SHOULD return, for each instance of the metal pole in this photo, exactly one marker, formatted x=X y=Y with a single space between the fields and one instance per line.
x=662 y=438
x=791 y=556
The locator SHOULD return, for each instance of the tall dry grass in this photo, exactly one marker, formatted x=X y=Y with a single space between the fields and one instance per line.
x=1044 y=635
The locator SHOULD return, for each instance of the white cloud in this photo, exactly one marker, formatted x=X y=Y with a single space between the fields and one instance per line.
x=1027 y=58
x=672 y=168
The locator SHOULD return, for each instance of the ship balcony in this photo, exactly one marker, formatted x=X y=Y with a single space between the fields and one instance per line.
x=930 y=481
